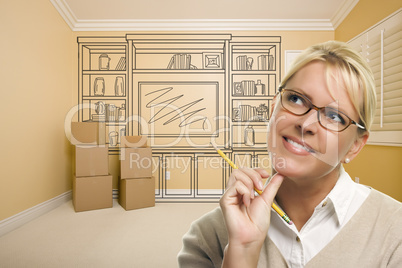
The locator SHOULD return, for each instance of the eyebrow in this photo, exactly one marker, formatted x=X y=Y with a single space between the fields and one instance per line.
x=338 y=108
x=301 y=91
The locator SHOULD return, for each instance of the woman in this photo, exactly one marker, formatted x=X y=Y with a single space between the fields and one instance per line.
x=320 y=120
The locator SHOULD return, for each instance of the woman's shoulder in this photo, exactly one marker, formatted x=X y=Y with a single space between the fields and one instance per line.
x=204 y=243
x=212 y=221
x=384 y=201
x=384 y=207
x=209 y=229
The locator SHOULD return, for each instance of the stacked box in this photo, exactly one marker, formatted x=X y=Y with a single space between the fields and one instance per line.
x=92 y=183
x=137 y=193
x=88 y=133
x=136 y=184
x=92 y=192
x=91 y=160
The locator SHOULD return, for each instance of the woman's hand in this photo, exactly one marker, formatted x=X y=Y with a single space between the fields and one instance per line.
x=247 y=217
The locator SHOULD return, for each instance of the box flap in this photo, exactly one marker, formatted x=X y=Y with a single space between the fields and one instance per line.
x=133 y=141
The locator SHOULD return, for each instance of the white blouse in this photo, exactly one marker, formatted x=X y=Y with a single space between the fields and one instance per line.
x=327 y=220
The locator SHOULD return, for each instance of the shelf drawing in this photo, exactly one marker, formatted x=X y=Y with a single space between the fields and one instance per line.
x=253 y=111
x=254 y=77
x=182 y=91
x=181 y=62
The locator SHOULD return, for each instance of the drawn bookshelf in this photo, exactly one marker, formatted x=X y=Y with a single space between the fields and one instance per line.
x=102 y=84
x=182 y=91
x=254 y=78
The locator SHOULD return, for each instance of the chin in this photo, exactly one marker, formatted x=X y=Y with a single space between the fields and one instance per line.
x=288 y=172
x=295 y=167
x=286 y=167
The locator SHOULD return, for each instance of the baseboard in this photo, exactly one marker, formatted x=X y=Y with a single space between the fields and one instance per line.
x=183 y=192
x=13 y=222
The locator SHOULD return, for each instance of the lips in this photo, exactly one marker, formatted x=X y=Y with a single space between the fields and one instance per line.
x=298 y=146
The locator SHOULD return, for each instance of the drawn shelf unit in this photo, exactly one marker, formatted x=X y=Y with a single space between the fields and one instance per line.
x=253 y=80
x=102 y=86
x=179 y=90
x=183 y=91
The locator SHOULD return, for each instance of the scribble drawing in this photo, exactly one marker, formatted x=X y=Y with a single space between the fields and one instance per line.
x=181 y=116
x=177 y=108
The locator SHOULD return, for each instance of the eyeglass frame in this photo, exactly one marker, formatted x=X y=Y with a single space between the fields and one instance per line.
x=318 y=109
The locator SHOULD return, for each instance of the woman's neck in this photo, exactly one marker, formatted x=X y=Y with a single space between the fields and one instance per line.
x=299 y=197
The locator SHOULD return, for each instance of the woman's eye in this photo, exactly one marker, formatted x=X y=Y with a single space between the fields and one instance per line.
x=296 y=99
x=335 y=116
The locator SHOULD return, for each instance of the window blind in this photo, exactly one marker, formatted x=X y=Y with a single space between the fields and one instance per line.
x=381 y=46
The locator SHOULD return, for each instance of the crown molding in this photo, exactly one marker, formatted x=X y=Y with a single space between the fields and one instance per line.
x=65 y=12
x=191 y=24
x=342 y=12
x=202 y=25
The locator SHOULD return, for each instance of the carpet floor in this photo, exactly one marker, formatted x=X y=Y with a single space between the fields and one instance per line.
x=113 y=237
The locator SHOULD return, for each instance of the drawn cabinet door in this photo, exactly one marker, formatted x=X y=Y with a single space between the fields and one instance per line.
x=178 y=172
x=157 y=173
x=262 y=160
x=210 y=176
x=243 y=159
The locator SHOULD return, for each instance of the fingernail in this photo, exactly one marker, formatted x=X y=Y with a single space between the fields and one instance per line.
x=260 y=185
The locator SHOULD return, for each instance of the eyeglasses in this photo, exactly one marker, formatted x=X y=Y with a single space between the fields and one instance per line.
x=329 y=118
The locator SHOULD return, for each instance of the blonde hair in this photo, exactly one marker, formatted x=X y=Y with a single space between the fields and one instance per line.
x=357 y=75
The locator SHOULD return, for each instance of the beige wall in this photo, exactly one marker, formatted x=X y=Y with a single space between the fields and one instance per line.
x=377 y=166
x=364 y=15
x=36 y=73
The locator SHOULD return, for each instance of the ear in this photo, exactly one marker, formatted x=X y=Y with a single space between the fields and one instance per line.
x=356 y=147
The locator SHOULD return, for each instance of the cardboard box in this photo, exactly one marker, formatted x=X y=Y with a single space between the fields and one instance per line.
x=133 y=141
x=89 y=133
x=137 y=193
x=135 y=163
x=91 y=160
x=91 y=193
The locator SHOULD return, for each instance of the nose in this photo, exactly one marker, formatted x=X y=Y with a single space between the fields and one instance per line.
x=308 y=123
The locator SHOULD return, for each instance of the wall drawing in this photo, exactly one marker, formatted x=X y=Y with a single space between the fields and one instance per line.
x=183 y=91
x=171 y=107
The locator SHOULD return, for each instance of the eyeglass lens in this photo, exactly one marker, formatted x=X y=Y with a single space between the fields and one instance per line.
x=329 y=118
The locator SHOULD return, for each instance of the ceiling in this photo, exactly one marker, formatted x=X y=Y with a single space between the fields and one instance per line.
x=137 y=15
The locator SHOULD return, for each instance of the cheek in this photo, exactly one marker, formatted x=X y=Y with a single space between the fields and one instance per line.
x=345 y=146
x=331 y=149
x=274 y=127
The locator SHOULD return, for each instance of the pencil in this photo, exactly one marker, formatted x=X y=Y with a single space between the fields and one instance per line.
x=274 y=206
